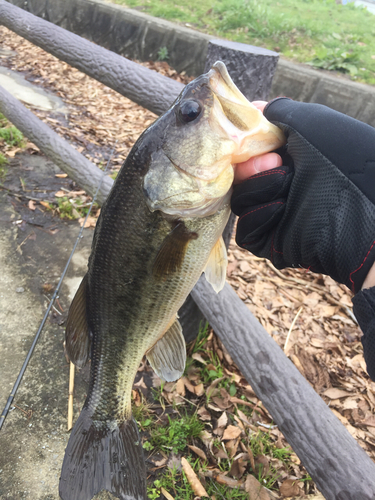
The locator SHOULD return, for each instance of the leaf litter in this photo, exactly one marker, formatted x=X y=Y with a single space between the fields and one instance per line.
x=308 y=315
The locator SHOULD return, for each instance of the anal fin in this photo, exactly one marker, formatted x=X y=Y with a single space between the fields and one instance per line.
x=77 y=338
x=168 y=356
x=216 y=267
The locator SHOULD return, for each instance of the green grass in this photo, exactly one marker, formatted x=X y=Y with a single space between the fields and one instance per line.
x=174 y=482
x=320 y=32
x=10 y=134
x=3 y=168
x=174 y=437
x=72 y=210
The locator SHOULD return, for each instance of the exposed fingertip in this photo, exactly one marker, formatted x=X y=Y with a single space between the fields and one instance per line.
x=260 y=104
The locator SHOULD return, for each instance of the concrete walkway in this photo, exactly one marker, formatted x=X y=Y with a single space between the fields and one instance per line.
x=34 y=247
x=370 y=6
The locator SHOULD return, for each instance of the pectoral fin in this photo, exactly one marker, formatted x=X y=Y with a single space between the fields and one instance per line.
x=77 y=338
x=172 y=251
x=168 y=356
x=216 y=268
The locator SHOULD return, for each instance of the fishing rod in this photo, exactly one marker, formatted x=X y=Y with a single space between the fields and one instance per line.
x=50 y=305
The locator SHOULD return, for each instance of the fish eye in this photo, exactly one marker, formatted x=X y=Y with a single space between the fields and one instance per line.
x=189 y=110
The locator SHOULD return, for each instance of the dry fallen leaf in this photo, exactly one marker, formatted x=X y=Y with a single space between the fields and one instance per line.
x=262 y=465
x=255 y=490
x=167 y=495
x=31 y=205
x=289 y=488
x=199 y=358
x=180 y=387
x=204 y=414
x=60 y=194
x=193 y=479
x=221 y=423
x=198 y=452
x=90 y=222
x=239 y=465
x=334 y=393
x=199 y=390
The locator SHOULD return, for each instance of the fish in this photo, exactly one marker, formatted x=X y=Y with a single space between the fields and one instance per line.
x=158 y=231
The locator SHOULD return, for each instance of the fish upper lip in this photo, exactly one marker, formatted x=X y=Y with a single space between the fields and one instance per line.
x=188 y=174
x=179 y=168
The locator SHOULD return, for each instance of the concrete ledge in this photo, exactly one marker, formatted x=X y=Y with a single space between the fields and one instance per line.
x=137 y=35
x=302 y=83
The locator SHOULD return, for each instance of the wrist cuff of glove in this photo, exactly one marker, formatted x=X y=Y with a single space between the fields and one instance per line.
x=358 y=276
x=364 y=310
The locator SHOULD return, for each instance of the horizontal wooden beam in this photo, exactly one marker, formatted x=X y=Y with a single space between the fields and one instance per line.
x=79 y=168
x=147 y=88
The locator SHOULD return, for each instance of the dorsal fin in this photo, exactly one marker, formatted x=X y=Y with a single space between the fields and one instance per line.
x=172 y=251
x=168 y=356
x=216 y=267
x=77 y=338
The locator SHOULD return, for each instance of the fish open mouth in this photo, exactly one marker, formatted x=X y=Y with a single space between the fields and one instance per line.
x=243 y=123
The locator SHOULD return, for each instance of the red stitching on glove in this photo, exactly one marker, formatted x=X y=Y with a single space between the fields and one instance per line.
x=273 y=249
x=260 y=208
x=266 y=172
x=364 y=260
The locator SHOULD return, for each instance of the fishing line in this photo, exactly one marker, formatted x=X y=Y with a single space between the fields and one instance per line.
x=26 y=362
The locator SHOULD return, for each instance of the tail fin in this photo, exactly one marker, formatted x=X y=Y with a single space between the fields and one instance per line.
x=97 y=459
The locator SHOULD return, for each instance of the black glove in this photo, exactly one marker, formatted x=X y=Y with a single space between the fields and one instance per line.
x=364 y=310
x=318 y=210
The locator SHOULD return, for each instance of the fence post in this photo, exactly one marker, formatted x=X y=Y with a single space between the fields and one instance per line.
x=252 y=69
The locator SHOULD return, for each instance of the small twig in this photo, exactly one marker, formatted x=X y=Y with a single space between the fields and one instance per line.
x=24 y=241
x=216 y=488
x=267 y=426
x=22 y=195
x=224 y=480
x=187 y=400
x=254 y=406
x=58 y=303
x=291 y=327
x=53 y=307
x=70 y=400
x=28 y=413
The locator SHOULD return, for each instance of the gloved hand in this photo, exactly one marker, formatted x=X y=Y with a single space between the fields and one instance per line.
x=317 y=210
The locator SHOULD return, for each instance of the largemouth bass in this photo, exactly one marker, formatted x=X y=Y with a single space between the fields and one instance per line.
x=159 y=229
